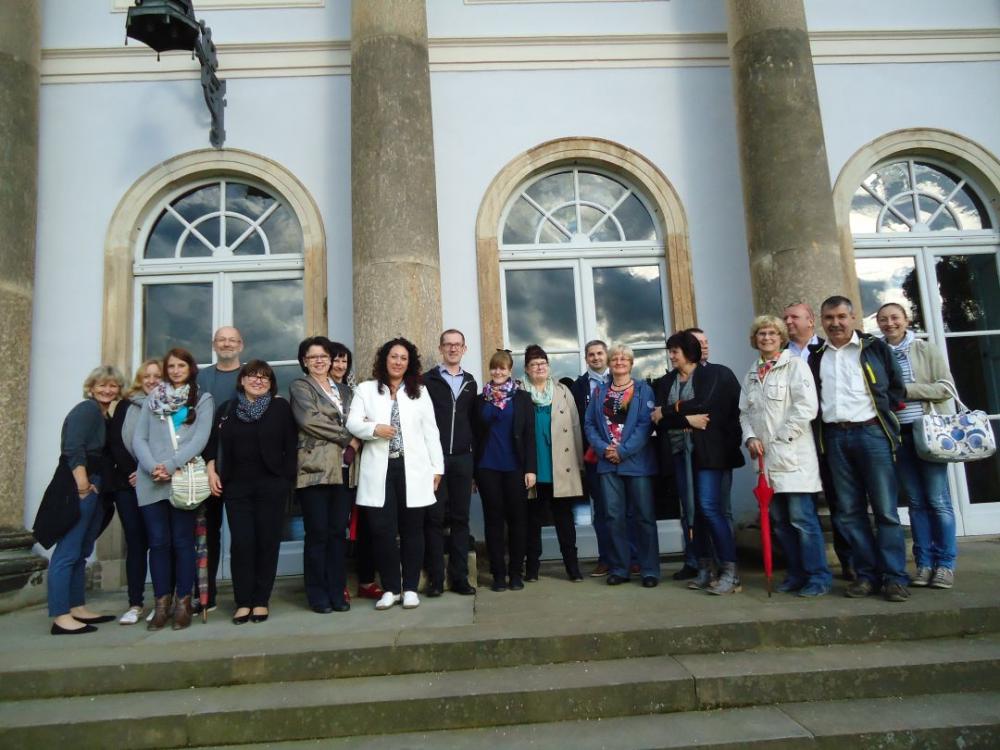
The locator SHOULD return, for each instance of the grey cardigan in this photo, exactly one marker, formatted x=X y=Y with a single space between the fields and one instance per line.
x=151 y=446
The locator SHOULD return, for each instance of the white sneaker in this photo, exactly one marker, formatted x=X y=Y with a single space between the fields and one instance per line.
x=132 y=616
x=410 y=600
x=387 y=600
x=152 y=613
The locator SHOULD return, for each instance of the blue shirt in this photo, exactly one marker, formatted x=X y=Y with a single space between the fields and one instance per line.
x=543 y=443
x=498 y=453
x=453 y=381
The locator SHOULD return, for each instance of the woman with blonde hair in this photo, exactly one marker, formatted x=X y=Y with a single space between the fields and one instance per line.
x=777 y=406
x=82 y=462
x=123 y=416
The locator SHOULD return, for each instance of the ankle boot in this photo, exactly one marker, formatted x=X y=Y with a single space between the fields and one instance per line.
x=573 y=569
x=704 y=578
x=729 y=581
x=182 y=613
x=161 y=614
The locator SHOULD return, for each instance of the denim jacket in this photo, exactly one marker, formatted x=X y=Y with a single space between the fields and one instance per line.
x=636 y=448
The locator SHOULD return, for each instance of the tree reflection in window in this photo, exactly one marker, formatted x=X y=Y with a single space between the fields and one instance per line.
x=580 y=207
x=224 y=219
x=916 y=196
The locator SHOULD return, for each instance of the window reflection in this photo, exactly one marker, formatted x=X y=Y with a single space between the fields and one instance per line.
x=177 y=315
x=885 y=280
x=565 y=365
x=541 y=307
x=270 y=316
x=162 y=242
x=650 y=364
x=248 y=200
x=553 y=190
x=284 y=233
x=628 y=305
x=198 y=202
x=968 y=285
x=599 y=189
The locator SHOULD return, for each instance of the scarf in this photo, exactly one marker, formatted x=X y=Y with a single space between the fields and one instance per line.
x=902 y=349
x=251 y=411
x=165 y=400
x=763 y=368
x=499 y=395
x=544 y=396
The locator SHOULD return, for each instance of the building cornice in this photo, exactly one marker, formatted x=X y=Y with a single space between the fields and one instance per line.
x=269 y=59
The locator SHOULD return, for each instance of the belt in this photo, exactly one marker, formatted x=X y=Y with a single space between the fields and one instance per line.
x=852 y=425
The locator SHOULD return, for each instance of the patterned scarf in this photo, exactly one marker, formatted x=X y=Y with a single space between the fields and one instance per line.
x=165 y=400
x=541 y=397
x=616 y=404
x=252 y=411
x=763 y=368
x=499 y=395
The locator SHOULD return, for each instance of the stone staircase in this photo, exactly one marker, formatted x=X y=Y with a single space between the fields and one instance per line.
x=862 y=676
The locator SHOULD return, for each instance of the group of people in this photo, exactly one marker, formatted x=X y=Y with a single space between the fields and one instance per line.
x=395 y=460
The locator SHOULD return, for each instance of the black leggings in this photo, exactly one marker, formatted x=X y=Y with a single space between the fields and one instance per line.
x=504 y=498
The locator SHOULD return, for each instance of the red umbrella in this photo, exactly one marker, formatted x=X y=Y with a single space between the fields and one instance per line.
x=764 y=492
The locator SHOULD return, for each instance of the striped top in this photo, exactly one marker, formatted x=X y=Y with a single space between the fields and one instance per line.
x=914 y=410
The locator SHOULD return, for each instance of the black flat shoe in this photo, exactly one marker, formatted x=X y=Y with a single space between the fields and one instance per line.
x=321 y=609
x=614 y=580
x=649 y=582
x=498 y=586
x=685 y=574
x=60 y=630
x=242 y=619
x=531 y=578
x=259 y=618
x=94 y=620
x=341 y=607
x=434 y=591
x=463 y=590
x=516 y=584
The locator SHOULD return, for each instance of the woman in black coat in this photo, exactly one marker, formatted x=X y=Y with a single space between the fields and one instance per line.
x=505 y=469
x=252 y=453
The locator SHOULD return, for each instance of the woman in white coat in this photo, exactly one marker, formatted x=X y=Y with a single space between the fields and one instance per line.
x=777 y=405
x=401 y=465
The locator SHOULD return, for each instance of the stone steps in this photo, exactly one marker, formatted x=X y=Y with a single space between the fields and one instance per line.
x=949 y=720
x=528 y=693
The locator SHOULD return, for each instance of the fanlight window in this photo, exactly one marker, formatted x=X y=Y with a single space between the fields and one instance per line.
x=916 y=196
x=578 y=207
x=224 y=219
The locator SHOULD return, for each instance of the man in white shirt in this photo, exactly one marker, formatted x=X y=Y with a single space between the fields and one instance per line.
x=801 y=323
x=860 y=388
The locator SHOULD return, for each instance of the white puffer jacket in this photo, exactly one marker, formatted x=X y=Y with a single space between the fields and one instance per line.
x=778 y=412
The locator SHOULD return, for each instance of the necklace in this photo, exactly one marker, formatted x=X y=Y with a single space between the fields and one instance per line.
x=624 y=387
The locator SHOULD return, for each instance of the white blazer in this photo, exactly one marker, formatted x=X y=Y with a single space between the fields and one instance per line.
x=421 y=444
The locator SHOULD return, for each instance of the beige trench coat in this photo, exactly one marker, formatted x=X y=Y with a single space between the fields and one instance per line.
x=323 y=432
x=567 y=446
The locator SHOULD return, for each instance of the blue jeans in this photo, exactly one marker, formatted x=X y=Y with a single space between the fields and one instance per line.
x=68 y=565
x=593 y=487
x=863 y=472
x=797 y=527
x=690 y=555
x=932 y=519
x=171 y=538
x=136 y=547
x=622 y=494
x=713 y=530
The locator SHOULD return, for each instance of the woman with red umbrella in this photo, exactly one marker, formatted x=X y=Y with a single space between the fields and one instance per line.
x=777 y=405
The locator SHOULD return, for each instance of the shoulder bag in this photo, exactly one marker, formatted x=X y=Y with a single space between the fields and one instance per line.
x=189 y=484
x=966 y=435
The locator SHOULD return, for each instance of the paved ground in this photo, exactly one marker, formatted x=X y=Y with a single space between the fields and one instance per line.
x=551 y=606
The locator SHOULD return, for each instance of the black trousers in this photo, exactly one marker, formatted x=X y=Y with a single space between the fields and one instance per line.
x=256 y=517
x=452 y=510
x=395 y=518
x=364 y=553
x=213 y=523
x=504 y=500
x=326 y=512
x=562 y=518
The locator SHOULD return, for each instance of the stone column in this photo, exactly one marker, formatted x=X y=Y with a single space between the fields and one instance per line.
x=397 y=276
x=20 y=59
x=787 y=196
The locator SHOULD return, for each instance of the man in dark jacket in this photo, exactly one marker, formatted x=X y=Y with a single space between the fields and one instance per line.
x=860 y=388
x=453 y=393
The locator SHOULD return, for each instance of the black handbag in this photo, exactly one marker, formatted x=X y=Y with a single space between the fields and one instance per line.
x=60 y=508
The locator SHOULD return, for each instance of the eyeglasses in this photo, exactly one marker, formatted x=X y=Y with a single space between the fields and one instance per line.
x=259 y=378
x=317 y=358
x=452 y=346
x=228 y=341
x=540 y=365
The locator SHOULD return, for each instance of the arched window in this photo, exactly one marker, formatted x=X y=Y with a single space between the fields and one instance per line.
x=219 y=252
x=925 y=237
x=582 y=258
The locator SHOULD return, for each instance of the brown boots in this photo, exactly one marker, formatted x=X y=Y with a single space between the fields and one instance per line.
x=182 y=613
x=161 y=614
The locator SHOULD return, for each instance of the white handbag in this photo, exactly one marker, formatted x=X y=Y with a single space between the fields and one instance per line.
x=189 y=485
x=966 y=435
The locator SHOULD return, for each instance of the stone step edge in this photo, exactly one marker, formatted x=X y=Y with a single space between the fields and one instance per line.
x=565 y=692
x=956 y=720
x=126 y=671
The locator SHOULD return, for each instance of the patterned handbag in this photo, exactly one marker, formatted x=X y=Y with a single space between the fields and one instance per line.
x=189 y=484
x=949 y=438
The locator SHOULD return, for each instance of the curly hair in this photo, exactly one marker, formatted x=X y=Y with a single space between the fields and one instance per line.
x=185 y=356
x=412 y=378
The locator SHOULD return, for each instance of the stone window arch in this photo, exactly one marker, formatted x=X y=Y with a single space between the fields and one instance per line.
x=579 y=200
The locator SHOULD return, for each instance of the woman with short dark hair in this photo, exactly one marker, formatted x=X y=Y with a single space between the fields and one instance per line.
x=401 y=465
x=252 y=454
x=320 y=404
x=177 y=406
